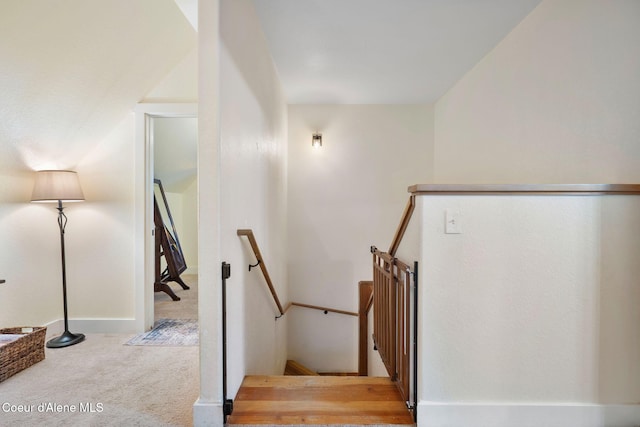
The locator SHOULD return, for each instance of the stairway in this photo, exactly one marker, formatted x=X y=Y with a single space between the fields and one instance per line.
x=318 y=400
x=295 y=368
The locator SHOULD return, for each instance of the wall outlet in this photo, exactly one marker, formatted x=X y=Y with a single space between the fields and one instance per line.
x=452 y=221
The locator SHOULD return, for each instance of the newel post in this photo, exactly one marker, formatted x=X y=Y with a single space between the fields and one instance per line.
x=365 y=291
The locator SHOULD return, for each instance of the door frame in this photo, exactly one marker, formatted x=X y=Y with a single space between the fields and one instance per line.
x=144 y=238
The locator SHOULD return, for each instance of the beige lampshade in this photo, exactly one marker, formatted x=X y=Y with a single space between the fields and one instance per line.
x=54 y=185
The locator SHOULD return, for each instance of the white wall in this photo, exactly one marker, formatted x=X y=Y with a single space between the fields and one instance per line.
x=542 y=328
x=107 y=180
x=68 y=106
x=180 y=85
x=343 y=198
x=619 y=344
x=189 y=230
x=208 y=410
x=98 y=242
x=30 y=260
x=532 y=305
x=184 y=211
x=98 y=246
x=253 y=159
x=557 y=100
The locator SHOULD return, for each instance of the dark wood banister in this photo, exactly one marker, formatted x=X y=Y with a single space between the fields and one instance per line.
x=256 y=250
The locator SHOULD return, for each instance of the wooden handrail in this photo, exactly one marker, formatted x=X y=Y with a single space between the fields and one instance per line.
x=254 y=245
x=402 y=227
x=327 y=309
x=532 y=189
x=287 y=307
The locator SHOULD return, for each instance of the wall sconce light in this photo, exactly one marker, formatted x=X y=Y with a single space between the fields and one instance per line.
x=316 y=140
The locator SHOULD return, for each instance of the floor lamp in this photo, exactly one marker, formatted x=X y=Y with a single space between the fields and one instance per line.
x=59 y=186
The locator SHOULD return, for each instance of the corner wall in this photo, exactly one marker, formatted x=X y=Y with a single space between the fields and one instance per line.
x=253 y=171
x=242 y=159
x=558 y=100
x=343 y=198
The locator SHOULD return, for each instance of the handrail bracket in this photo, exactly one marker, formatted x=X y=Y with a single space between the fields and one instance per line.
x=254 y=265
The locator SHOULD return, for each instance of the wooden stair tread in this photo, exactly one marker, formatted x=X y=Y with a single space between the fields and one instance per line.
x=294 y=368
x=286 y=400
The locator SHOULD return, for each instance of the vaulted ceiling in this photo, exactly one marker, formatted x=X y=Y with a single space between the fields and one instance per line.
x=72 y=69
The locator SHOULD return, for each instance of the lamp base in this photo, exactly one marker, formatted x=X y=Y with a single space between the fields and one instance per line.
x=65 y=340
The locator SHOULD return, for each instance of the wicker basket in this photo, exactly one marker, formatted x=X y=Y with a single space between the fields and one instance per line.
x=23 y=352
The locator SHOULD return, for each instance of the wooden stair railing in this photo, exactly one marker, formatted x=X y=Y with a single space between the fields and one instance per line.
x=392 y=314
x=317 y=307
x=366 y=288
x=365 y=291
x=256 y=251
x=402 y=227
x=260 y=262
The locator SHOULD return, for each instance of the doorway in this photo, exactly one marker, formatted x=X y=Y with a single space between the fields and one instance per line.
x=148 y=118
x=175 y=160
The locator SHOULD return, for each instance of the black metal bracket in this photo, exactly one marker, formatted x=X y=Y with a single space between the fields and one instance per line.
x=227 y=404
x=226 y=271
x=227 y=408
x=414 y=405
x=254 y=265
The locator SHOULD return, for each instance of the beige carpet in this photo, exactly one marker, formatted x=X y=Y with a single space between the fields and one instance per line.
x=122 y=385
x=186 y=308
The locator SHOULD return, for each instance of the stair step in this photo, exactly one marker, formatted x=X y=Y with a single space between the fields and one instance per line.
x=295 y=368
x=319 y=401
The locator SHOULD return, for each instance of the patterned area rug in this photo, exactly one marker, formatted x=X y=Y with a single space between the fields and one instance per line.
x=169 y=332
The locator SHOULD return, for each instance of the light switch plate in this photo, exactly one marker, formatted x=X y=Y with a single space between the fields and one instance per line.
x=452 y=222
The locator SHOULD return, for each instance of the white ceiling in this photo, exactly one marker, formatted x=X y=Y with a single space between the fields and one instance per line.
x=381 y=51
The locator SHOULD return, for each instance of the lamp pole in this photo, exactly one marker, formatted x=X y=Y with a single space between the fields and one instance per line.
x=67 y=338
x=59 y=186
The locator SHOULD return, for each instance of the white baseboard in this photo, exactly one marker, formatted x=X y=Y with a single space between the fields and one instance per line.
x=438 y=414
x=93 y=326
x=208 y=414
